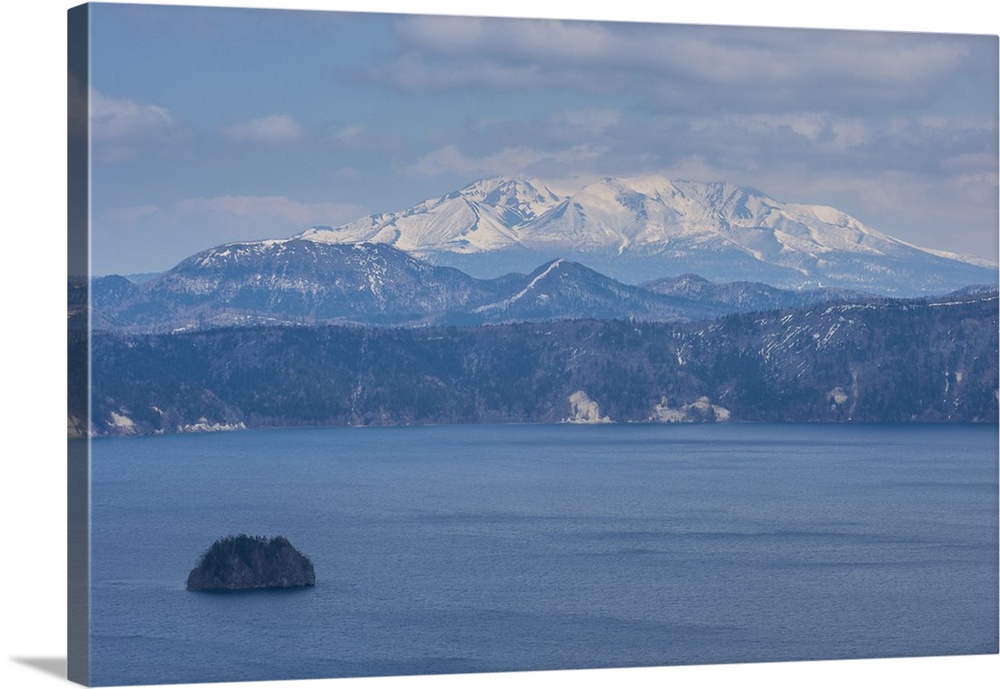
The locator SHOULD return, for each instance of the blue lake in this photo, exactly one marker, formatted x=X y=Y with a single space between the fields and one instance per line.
x=496 y=548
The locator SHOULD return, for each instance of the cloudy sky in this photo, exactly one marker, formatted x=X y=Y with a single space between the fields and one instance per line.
x=219 y=124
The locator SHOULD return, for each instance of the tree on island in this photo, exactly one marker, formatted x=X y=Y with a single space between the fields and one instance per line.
x=251 y=562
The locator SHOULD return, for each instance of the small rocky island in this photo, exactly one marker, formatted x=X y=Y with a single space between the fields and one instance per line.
x=242 y=562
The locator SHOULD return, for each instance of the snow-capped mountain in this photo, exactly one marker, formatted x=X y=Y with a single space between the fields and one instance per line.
x=484 y=216
x=648 y=227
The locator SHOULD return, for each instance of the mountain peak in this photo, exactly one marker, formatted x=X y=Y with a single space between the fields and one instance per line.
x=516 y=200
x=643 y=227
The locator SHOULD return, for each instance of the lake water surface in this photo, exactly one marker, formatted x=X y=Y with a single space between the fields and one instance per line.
x=497 y=548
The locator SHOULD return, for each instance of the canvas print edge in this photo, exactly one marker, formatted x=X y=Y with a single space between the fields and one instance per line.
x=78 y=371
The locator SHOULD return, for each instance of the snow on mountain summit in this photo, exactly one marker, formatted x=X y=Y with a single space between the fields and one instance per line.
x=484 y=216
x=639 y=213
x=519 y=200
x=650 y=226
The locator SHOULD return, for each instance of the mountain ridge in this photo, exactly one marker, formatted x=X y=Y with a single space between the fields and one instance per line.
x=877 y=360
x=298 y=281
x=645 y=227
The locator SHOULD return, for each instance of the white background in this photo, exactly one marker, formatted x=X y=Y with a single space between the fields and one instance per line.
x=32 y=346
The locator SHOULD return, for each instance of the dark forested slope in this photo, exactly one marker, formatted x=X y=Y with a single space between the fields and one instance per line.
x=870 y=361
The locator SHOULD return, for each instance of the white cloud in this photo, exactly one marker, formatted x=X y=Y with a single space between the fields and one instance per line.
x=277 y=212
x=589 y=122
x=360 y=137
x=806 y=125
x=539 y=38
x=161 y=236
x=131 y=214
x=122 y=129
x=823 y=131
x=694 y=168
x=417 y=73
x=977 y=163
x=450 y=159
x=673 y=66
x=849 y=133
x=270 y=130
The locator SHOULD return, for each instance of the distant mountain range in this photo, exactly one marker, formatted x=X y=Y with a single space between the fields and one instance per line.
x=298 y=281
x=637 y=229
x=638 y=300
x=508 y=249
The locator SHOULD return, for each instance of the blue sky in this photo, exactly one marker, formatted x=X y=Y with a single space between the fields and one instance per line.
x=221 y=124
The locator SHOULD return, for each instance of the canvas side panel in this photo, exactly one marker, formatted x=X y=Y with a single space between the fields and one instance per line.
x=78 y=348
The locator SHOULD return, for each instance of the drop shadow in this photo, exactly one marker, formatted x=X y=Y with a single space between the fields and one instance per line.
x=50 y=666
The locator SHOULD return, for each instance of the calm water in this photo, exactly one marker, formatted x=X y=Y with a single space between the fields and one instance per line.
x=492 y=548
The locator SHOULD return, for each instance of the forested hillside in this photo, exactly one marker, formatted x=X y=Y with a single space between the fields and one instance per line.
x=865 y=361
